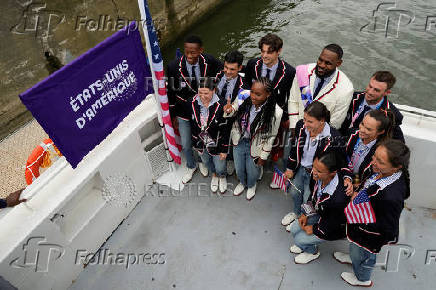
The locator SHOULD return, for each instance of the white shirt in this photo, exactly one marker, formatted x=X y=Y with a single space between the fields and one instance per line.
x=311 y=145
x=196 y=70
x=230 y=87
x=204 y=116
x=204 y=111
x=273 y=69
x=359 y=154
x=253 y=114
x=326 y=81
x=382 y=182
x=329 y=188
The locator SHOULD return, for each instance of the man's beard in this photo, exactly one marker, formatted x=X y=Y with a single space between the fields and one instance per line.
x=326 y=75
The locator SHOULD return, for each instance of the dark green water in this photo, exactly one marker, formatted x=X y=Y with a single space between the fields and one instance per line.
x=406 y=49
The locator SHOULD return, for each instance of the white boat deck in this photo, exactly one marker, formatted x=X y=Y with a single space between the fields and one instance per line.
x=207 y=241
x=225 y=242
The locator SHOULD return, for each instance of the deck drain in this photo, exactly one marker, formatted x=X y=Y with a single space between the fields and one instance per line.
x=158 y=160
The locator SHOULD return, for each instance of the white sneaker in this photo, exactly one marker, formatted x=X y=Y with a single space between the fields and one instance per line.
x=272 y=185
x=295 y=249
x=261 y=173
x=288 y=228
x=214 y=184
x=289 y=218
x=351 y=279
x=223 y=184
x=230 y=167
x=251 y=192
x=305 y=258
x=203 y=169
x=342 y=258
x=188 y=175
x=238 y=189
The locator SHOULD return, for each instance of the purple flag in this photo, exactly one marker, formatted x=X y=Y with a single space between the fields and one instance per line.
x=80 y=104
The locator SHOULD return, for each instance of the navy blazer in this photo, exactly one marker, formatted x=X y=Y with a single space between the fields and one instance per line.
x=387 y=205
x=332 y=222
x=238 y=86
x=282 y=81
x=358 y=98
x=179 y=83
x=364 y=168
x=218 y=127
x=334 y=142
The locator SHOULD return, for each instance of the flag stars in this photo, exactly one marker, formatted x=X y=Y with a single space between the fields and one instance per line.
x=156 y=56
x=156 y=43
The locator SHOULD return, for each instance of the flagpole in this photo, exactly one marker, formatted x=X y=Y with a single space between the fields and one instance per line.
x=155 y=81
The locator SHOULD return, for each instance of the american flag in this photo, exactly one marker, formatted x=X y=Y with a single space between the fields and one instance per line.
x=172 y=137
x=279 y=179
x=359 y=210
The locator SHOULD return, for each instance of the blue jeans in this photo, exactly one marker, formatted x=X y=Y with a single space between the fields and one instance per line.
x=185 y=136
x=214 y=164
x=301 y=180
x=363 y=262
x=308 y=243
x=246 y=170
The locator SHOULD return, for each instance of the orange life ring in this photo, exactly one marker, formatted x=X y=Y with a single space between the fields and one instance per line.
x=40 y=157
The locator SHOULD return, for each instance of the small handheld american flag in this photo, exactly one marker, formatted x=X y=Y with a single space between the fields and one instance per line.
x=359 y=210
x=279 y=179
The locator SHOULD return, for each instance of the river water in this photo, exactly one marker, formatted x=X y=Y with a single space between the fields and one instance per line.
x=406 y=45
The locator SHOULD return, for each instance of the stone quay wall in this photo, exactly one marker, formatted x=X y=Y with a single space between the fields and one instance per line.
x=67 y=29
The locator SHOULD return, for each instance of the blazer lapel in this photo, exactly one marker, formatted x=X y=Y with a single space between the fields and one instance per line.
x=367 y=160
x=312 y=77
x=328 y=86
x=280 y=72
x=219 y=76
x=183 y=69
x=196 y=110
x=258 y=68
x=212 y=113
x=254 y=128
x=203 y=65
x=238 y=85
x=356 y=103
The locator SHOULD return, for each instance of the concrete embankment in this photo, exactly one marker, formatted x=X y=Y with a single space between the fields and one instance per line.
x=67 y=29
